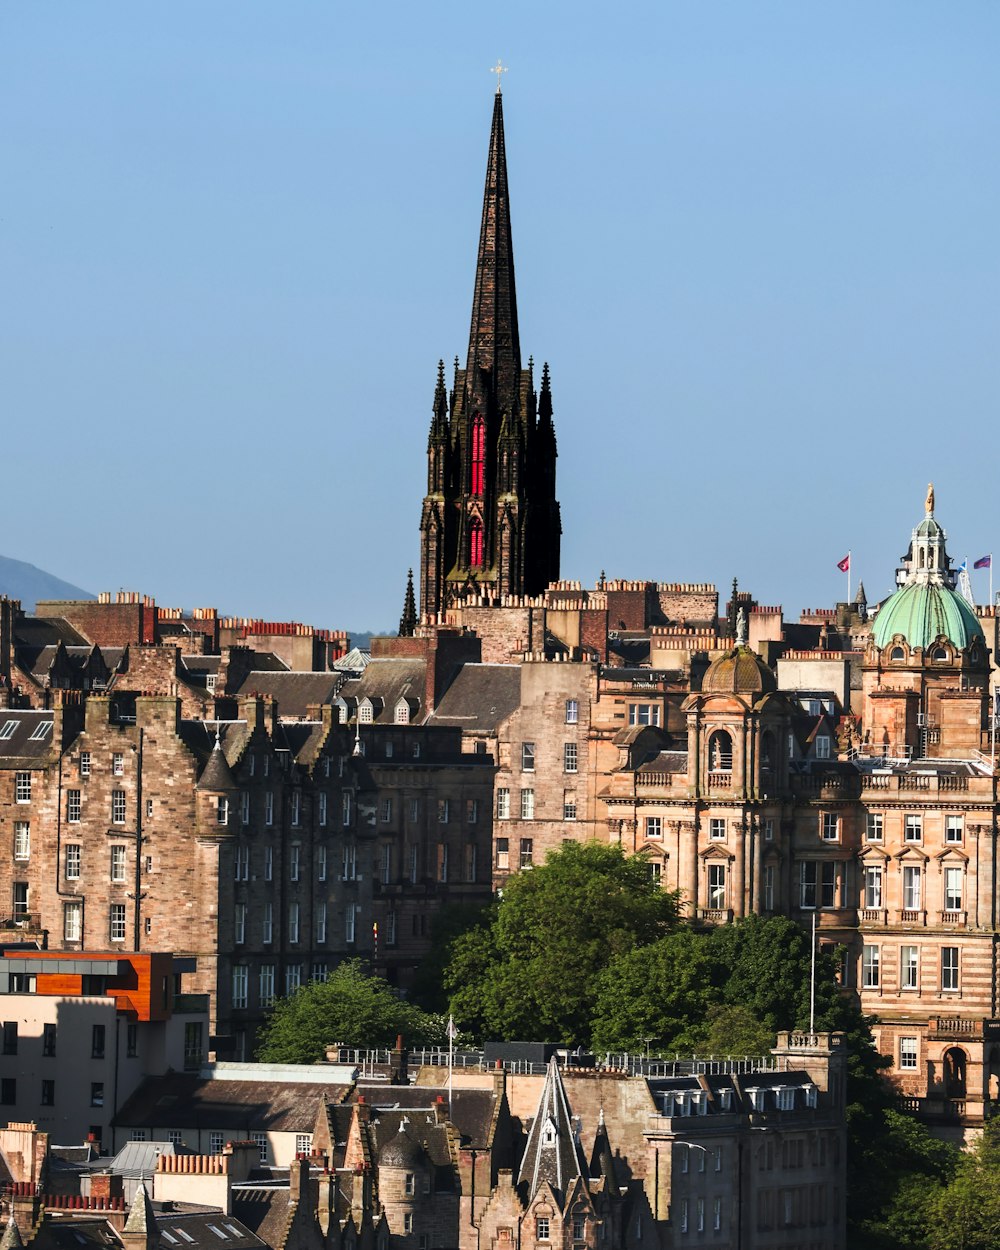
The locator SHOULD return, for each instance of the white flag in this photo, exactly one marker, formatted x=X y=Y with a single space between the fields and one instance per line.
x=452 y=1031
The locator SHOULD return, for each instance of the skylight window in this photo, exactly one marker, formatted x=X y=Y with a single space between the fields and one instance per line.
x=187 y=1236
x=41 y=731
x=169 y=1237
x=218 y=1232
x=8 y=730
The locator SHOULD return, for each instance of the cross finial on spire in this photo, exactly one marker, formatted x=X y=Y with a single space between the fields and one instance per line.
x=499 y=69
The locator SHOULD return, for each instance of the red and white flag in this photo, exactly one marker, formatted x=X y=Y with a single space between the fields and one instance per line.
x=844 y=564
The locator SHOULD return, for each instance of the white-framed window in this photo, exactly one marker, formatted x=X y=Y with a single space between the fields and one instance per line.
x=293 y=922
x=321 y=861
x=118 y=764
x=913 y=828
x=768 y=828
x=296 y=808
x=385 y=863
x=117 y=863
x=216 y=1141
x=117 y=807
x=22 y=787
x=909 y=968
x=266 y=985
x=570 y=757
x=569 y=805
x=953 y=889
x=322 y=803
x=527 y=852
x=822 y=746
x=954 y=829
x=717 y=829
x=503 y=803
x=239 y=924
x=654 y=827
x=527 y=805
x=542 y=1232
x=870 y=967
x=84 y=763
x=241 y=863
x=831 y=826
x=402 y=714
x=268 y=807
x=349 y=922
x=268 y=863
x=73 y=807
x=572 y=711
x=472 y=811
x=294 y=862
x=347 y=807
x=74 y=860
x=7 y=730
x=241 y=981
x=222 y=811
x=949 y=968
x=116 y=922
x=320 y=923
x=350 y=862
x=386 y=811
x=874 y=826
x=293 y=978
x=73 y=922
x=267 y=922
x=527 y=757
x=260 y=1140
x=644 y=714
x=503 y=852
x=700 y=1212
x=873 y=885
x=912 y=891
x=908 y=1054
x=244 y=807
x=717 y=886
x=22 y=839
x=716 y=1214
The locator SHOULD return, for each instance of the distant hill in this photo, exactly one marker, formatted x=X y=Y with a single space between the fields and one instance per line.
x=23 y=581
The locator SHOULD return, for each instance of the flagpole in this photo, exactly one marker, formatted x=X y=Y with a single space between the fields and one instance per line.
x=848 y=577
x=812 y=982
x=991 y=580
x=451 y=1060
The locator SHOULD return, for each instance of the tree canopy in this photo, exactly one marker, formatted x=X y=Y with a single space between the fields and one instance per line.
x=532 y=970
x=350 y=1007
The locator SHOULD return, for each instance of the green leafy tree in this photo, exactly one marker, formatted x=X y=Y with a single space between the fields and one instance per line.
x=533 y=972
x=659 y=994
x=450 y=923
x=350 y=1007
x=965 y=1214
x=733 y=1029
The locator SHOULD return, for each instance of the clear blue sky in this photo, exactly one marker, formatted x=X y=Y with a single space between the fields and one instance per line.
x=757 y=242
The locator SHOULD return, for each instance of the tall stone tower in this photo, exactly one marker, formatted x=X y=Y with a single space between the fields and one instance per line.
x=490 y=521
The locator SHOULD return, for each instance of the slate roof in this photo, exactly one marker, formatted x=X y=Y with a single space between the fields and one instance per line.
x=472 y=1109
x=552 y=1153
x=17 y=743
x=480 y=698
x=216 y=775
x=388 y=681
x=294 y=692
x=42 y=631
x=188 y=1101
x=204 y=1231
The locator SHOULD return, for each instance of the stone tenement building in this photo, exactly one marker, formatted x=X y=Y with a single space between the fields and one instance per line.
x=490 y=520
x=249 y=829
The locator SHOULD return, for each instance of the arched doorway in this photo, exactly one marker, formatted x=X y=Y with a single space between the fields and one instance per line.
x=954 y=1072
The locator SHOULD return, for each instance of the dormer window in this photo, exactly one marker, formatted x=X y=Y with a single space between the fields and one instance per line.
x=365 y=712
x=402 y=712
x=549 y=1134
x=897 y=654
x=939 y=655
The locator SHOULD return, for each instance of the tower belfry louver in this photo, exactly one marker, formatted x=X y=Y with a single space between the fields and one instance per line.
x=490 y=522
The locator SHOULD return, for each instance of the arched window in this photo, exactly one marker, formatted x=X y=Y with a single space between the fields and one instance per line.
x=897 y=654
x=476 y=545
x=939 y=654
x=720 y=752
x=478 y=456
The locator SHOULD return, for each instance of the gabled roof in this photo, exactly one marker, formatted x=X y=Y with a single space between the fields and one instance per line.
x=386 y=681
x=294 y=692
x=552 y=1154
x=480 y=698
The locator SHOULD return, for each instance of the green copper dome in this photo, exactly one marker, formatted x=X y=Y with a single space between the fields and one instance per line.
x=922 y=611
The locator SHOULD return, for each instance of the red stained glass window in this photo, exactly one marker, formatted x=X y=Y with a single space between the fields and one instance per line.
x=476 y=545
x=478 y=455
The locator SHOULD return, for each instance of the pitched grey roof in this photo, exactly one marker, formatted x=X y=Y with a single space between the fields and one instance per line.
x=480 y=698
x=552 y=1153
x=386 y=681
x=216 y=775
x=294 y=692
x=17 y=729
